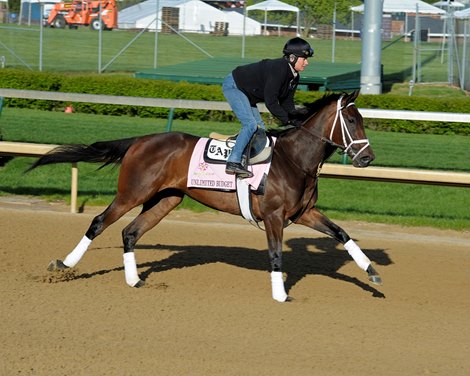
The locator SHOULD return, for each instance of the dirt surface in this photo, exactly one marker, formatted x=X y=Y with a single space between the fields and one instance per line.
x=206 y=308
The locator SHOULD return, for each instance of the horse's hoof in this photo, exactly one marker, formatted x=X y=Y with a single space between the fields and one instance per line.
x=139 y=284
x=283 y=299
x=376 y=280
x=56 y=265
x=374 y=276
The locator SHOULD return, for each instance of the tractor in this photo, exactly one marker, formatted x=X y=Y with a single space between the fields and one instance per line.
x=83 y=13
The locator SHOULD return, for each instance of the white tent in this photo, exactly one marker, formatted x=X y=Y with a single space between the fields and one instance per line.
x=194 y=16
x=405 y=6
x=235 y=21
x=462 y=14
x=272 y=5
x=445 y=4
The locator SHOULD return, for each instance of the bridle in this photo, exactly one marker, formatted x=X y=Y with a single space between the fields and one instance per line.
x=348 y=141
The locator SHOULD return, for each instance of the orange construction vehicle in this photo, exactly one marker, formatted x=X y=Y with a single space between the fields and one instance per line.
x=83 y=13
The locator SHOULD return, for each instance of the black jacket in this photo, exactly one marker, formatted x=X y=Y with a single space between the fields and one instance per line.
x=270 y=81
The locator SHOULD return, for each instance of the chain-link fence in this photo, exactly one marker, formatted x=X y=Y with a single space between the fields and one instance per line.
x=41 y=48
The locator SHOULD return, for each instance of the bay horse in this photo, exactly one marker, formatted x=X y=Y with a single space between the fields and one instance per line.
x=153 y=174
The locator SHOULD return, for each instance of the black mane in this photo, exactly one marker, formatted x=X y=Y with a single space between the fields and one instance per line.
x=312 y=108
x=320 y=103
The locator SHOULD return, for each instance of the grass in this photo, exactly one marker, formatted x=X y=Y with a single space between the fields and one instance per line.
x=77 y=51
x=405 y=204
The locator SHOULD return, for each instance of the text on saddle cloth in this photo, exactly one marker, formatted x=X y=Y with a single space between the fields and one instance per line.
x=202 y=174
x=261 y=147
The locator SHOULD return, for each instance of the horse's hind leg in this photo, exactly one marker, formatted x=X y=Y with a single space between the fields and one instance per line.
x=112 y=213
x=150 y=216
x=317 y=221
x=274 y=225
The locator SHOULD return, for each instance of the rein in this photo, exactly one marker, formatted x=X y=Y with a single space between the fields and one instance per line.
x=347 y=139
x=316 y=134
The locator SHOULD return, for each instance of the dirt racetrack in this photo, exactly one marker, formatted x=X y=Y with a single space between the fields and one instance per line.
x=206 y=308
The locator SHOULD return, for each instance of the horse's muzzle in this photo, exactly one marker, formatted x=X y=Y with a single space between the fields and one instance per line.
x=363 y=160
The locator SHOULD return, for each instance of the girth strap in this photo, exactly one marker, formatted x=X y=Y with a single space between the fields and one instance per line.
x=244 y=202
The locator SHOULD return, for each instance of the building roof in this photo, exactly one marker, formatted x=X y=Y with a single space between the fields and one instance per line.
x=405 y=6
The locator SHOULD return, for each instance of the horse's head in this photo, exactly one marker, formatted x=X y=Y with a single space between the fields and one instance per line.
x=344 y=128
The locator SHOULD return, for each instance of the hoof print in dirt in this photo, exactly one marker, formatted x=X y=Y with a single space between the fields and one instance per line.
x=60 y=276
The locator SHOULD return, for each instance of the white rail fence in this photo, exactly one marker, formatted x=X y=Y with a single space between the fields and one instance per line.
x=383 y=174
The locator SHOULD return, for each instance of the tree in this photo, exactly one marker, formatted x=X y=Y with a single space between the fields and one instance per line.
x=14 y=6
x=317 y=12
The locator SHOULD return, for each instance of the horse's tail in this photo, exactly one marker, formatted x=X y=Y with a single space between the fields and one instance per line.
x=106 y=152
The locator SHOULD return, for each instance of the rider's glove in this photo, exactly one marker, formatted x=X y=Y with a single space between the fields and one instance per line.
x=299 y=111
x=293 y=123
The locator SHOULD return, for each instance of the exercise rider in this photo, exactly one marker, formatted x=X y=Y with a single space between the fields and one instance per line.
x=272 y=81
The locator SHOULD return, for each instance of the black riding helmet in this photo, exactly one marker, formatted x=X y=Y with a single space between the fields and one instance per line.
x=297 y=47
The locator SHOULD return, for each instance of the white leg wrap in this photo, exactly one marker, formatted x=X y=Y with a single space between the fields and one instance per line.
x=277 y=283
x=358 y=256
x=75 y=256
x=130 y=269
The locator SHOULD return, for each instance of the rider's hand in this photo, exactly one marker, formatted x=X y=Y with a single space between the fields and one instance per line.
x=293 y=123
x=299 y=111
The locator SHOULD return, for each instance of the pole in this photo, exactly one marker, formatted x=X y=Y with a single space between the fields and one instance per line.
x=265 y=22
x=333 y=42
x=406 y=27
x=298 y=24
x=417 y=44
x=74 y=188
x=244 y=29
x=100 y=40
x=371 y=67
x=29 y=14
x=352 y=25
x=464 y=55
x=155 y=52
x=170 y=119
x=443 y=43
x=41 y=29
x=415 y=57
x=450 y=46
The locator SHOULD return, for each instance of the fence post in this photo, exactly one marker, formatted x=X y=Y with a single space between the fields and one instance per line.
x=170 y=119
x=74 y=188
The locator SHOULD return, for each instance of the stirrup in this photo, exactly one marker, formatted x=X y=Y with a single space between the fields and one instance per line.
x=233 y=168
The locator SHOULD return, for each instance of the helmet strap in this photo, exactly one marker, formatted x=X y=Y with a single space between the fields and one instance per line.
x=292 y=59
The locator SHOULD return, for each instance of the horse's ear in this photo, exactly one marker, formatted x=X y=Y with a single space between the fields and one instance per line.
x=352 y=97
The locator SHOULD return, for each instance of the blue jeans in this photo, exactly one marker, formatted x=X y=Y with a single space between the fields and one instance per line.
x=249 y=117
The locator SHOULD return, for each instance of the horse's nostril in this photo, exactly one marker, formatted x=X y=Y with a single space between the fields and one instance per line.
x=365 y=160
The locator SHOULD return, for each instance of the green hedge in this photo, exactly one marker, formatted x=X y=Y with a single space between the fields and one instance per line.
x=128 y=86
x=397 y=102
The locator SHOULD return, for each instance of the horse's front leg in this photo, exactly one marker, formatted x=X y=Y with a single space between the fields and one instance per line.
x=274 y=225
x=314 y=219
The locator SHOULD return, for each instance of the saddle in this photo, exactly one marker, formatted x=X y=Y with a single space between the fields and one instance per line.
x=219 y=146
